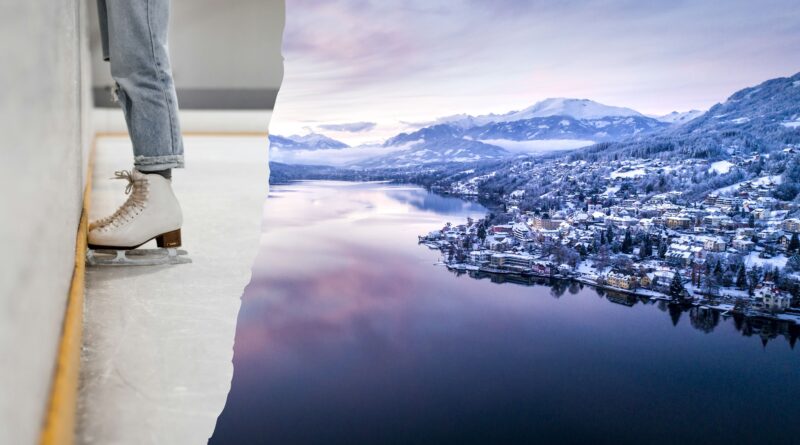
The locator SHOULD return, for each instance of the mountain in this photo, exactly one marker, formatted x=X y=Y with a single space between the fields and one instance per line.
x=609 y=128
x=435 y=132
x=754 y=134
x=311 y=141
x=575 y=108
x=462 y=138
x=760 y=119
x=764 y=111
x=540 y=128
x=560 y=106
x=679 y=118
x=434 y=149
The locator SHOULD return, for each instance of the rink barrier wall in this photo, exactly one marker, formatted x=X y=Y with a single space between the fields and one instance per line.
x=60 y=417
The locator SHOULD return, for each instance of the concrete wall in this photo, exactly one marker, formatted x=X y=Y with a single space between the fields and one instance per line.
x=44 y=144
x=225 y=53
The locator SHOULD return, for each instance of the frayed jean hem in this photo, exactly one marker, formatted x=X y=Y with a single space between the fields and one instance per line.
x=156 y=163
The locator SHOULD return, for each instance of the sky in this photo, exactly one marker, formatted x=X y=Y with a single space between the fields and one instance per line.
x=364 y=70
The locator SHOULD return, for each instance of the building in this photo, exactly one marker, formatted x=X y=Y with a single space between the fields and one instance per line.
x=661 y=280
x=506 y=229
x=521 y=232
x=541 y=268
x=512 y=262
x=743 y=244
x=622 y=281
x=792 y=225
x=480 y=257
x=678 y=222
x=771 y=299
x=546 y=223
x=717 y=221
x=715 y=244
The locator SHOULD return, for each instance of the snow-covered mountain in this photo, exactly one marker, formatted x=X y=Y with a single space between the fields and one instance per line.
x=679 y=118
x=541 y=128
x=566 y=123
x=752 y=136
x=610 y=128
x=761 y=119
x=575 y=108
x=766 y=111
x=434 y=150
x=755 y=133
x=559 y=106
x=311 y=141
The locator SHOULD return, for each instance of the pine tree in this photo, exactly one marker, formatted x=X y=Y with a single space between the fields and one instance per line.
x=610 y=235
x=741 y=278
x=646 y=249
x=627 y=243
x=794 y=263
x=753 y=280
x=794 y=244
x=676 y=288
x=481 y=232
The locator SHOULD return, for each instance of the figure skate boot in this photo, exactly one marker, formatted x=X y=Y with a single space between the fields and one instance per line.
x=150 y=212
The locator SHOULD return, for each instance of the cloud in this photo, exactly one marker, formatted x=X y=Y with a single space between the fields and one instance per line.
x=337 y=157
x=417 y=125
x=353 y=127
x=402 y=63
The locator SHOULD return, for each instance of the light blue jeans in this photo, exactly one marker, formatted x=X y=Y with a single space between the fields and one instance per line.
x=134 y=38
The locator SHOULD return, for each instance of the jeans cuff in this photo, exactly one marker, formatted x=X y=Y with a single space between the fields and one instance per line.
x=156 y=163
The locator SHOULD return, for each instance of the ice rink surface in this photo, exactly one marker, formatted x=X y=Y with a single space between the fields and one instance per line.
x=158 y=340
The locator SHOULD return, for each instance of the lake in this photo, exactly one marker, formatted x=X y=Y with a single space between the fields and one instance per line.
x=350 y=333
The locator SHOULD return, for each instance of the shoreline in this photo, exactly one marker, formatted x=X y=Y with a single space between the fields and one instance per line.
x=724 y=309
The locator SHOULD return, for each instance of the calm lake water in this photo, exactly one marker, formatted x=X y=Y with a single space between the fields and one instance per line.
x=349 y=334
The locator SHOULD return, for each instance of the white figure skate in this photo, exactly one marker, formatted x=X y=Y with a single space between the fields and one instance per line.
x=151 y=212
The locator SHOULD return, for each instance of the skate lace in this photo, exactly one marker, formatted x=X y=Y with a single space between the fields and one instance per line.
x=137 y=190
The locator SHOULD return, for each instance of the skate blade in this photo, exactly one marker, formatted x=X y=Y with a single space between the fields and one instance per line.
x=136 y=257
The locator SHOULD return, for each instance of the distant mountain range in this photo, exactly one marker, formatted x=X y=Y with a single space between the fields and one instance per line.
x=312 y=141
x=763 y=118
x=574 y=108
x=760 y=116
x=557 y=123
x=435 y=150
x=679 y=118
x=754 y=134
x=759 y=123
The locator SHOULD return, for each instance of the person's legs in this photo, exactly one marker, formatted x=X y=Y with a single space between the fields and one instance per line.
x=134 y=36
x=136 y=42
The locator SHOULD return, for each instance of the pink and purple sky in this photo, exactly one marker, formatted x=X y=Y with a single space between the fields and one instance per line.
x=362 y=70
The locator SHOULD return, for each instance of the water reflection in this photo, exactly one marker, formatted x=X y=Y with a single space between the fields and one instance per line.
x=349 y=333
x=701 y=318
x=431 y=202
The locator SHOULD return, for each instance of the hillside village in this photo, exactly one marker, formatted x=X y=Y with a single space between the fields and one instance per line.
x=734 y=250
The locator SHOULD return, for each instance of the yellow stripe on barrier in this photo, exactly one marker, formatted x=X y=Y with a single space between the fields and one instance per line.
x=60 y=418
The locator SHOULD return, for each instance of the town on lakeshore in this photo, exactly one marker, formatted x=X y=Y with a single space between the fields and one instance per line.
x=736 y=251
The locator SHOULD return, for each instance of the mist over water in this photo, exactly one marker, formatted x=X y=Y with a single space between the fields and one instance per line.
x=349 y=333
